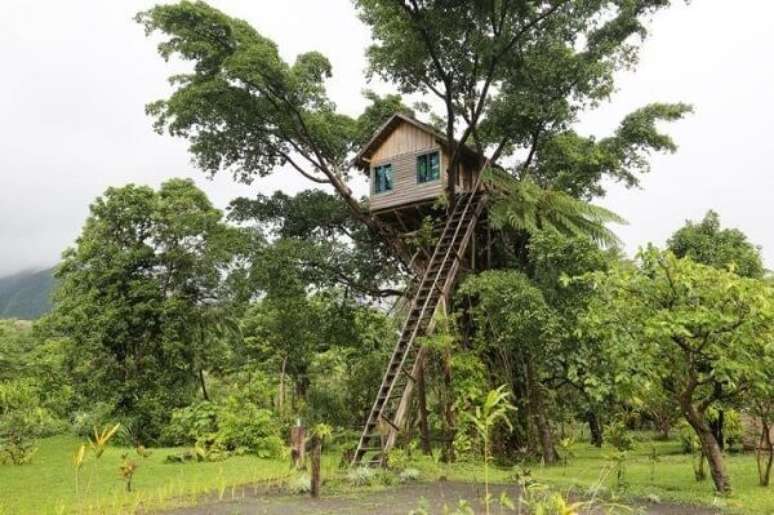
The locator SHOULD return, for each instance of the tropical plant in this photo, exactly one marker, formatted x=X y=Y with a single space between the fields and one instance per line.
x=100 y=439
x=494 y=409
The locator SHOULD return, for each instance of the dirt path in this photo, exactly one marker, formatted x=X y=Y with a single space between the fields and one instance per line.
x=396 y=501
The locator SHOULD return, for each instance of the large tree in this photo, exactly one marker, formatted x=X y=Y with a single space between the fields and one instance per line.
x=140 y=299
x=511 y=79
x=316 y=235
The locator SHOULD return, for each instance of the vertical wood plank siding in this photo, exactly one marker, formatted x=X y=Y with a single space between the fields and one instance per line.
x=401 y=150
x=405 y=188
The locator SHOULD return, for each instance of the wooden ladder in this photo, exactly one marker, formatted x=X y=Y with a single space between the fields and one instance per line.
x=392 y=402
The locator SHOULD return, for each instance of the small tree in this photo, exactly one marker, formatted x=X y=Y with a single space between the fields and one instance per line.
x=697 y=333
x=494 y=408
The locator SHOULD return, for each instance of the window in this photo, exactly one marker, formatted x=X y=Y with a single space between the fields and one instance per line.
x=383 y=178
x=428 y=167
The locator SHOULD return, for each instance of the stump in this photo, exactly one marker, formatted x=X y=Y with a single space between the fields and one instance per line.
x=297 y=447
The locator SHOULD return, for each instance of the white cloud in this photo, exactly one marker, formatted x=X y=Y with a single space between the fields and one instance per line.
x=77 y=75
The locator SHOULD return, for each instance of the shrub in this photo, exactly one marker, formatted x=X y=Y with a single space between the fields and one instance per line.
x=397 y=459
x=83 y=422
x=689 y=442
x=234 y=426
x=271 y=447
x=361 y=476
x=617 y=435
x=300 y=484
x=191 y=423
x=242 y=424
x=409 y=474
x=23 y=420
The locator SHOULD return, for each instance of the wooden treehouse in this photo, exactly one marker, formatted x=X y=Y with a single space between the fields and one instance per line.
x=407 y=162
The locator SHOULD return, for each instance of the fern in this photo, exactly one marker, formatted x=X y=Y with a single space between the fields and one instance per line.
x=525 y=206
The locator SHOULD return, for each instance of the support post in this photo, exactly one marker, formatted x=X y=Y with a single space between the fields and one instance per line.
x=316 y=451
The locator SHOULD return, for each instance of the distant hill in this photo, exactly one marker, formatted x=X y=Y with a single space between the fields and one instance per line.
x=26 y=295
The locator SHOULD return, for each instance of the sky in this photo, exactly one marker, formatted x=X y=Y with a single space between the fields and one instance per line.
x=76 y=76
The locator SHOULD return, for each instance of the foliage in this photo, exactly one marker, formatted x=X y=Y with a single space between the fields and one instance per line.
x=138 y=299
x=100 y=439
x=361 y=476
x=234 y=424
x=23 y=419
x=408 y=475
x=525 y=206
x=494 y=409
x=705 y=242
x=315 y=241
x=617 y=435
x=698 y=333
x=300 y=484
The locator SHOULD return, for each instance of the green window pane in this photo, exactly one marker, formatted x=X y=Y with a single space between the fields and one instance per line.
x=428 y=167
x=382 y=178
x=435 y=166
x=421 y=168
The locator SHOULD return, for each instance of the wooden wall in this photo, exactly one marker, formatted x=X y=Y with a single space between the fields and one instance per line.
x=401 y=150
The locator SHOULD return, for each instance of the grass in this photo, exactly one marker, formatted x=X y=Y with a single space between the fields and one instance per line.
x=672 y=481
x=48 y=484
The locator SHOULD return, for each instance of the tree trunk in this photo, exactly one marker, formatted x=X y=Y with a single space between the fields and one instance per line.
x=545 y=436
x=315 y=453
x=203 y=385
x=717 y=429
x=710 y=447
x=594 y=428
x=424 y=428
x=764 y=464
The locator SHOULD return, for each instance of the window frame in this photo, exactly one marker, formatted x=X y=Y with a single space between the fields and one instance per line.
x=391 y=183
x=428 y=174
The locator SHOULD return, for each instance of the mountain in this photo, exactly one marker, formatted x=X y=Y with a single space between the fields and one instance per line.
x=26 y=295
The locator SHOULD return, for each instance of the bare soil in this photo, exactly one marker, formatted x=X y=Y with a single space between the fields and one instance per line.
x=395 y=501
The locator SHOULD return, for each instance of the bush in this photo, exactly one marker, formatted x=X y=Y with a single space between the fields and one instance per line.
x=617 y=435
x=300 y=484
x=191 y=423
x=242 y=424
x=689 y=442
x=232 y=426
x=409 y=475
x=271 y=447
x=23 y=420
x=361 y=476
x=83 y=422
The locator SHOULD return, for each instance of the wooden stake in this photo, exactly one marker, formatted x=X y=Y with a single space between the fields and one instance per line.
x=297 y=447
x=316 y=451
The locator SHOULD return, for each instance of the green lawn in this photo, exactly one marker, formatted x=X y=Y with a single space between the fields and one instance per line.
x=48 y=484
x=672 y=478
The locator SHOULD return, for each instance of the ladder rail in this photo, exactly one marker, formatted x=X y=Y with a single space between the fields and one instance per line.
x=402 y=350
x=376 y=410
x=403 y=405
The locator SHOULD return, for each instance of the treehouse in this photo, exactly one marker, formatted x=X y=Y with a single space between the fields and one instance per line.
x=407 y=163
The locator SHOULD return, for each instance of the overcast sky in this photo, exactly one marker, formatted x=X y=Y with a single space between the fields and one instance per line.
x=77 y=74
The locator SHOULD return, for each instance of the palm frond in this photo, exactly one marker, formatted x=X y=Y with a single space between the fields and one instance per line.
x=524 y=205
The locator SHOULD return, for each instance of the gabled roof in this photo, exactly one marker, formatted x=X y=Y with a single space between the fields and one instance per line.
x=363 y=158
